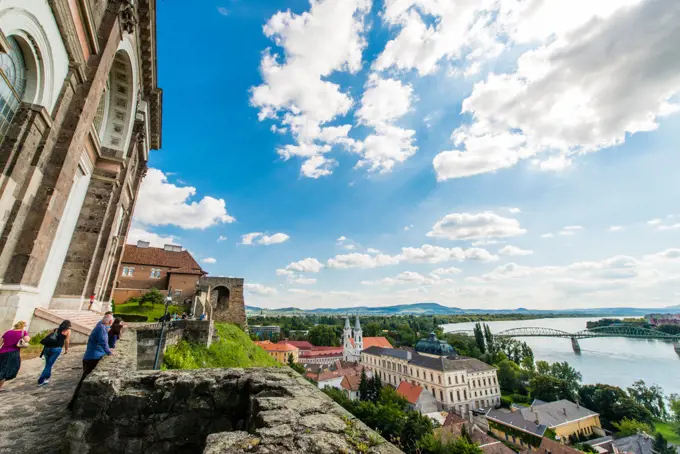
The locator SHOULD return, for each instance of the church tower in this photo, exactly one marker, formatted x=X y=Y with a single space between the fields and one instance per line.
x=358 y=338
x=347 y=347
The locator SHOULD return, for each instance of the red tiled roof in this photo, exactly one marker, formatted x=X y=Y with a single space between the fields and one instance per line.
x=351 y=382
x=159 y=257
x=377 y=342
x=334 y=351
x=409 y=391
x=302 y=345
x=278 y=347
x=186 y=270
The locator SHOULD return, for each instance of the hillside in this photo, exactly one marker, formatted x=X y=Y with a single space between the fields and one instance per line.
x=431 y=308
x=233 y=349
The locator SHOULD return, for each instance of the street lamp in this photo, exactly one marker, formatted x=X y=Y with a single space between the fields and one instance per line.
x=164 y=318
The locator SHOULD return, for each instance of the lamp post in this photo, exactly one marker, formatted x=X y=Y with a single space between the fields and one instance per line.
x=168 y=300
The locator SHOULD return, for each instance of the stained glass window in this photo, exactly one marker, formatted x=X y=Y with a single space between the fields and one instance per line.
x=12 y=84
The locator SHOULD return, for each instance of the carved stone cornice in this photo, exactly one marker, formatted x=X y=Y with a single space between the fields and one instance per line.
x=128 y=16
x=146 y=10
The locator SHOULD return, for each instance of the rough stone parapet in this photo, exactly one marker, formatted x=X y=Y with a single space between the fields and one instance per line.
x=259 y=410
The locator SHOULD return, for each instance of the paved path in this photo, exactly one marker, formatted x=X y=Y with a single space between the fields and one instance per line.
x=34 y=419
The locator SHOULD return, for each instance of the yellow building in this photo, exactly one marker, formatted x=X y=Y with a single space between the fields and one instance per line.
x=562 y=419
x=280 y=352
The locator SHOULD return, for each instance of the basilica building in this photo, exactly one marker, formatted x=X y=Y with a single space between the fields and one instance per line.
x=79 y=111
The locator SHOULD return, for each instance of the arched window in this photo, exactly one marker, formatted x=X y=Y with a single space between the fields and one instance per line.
x=12 y=84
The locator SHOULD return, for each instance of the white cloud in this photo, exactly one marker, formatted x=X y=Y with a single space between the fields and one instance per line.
x=371 y=250
x=259 y=289
x=467 y=226
x=569 y=230
x=425 y=254
x=163 y=203
x=350 y=247
x=514 y=250
x=341 y=239
x=301 y=280
x=655 y=222
x=607 y=70
x=308 y=265
x=138 y=233
x=660 y=224
x=315 y=44
x=514 y=210
x=221 y=238
x=408 y=227
x=615 y=228
x=410 y=278
x=384 y=101
x=452 y=270
x=385 y=148
x=209 y=260
x=263 y=239
x=556 y=163
x=222 y=10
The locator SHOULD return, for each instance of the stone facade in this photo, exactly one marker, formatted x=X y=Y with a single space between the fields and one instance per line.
x=75 y=150
x=259 y=410
x=222 y=299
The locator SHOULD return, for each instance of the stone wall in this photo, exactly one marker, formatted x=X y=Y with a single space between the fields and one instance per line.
x=210 y=299
x=259 y=410
x=194 y=331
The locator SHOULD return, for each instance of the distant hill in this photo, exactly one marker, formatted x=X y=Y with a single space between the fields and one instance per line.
x=432 y=308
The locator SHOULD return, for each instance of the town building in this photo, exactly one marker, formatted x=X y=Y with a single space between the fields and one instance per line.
x=280 y=352
x=457 y=383
x=640 y=443
x=549 y=446
x=81 y=111
x=452 y=428
x=265 y=332
x=170 y=267
x=417 y=398
x=350 y=385
x=663 y=319
x=301 y=345
x=333 y=375
x=565 y=418
x=353 y=341
x=322 y=355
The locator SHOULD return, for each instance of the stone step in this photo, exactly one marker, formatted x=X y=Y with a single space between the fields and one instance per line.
x=82 y=322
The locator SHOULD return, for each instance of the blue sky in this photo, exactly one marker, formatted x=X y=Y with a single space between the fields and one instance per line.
x=479 y=154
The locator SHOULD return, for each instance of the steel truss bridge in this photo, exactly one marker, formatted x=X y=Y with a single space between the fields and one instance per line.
x=632 y=332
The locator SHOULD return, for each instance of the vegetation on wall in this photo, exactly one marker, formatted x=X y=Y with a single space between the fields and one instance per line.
x=233 y=349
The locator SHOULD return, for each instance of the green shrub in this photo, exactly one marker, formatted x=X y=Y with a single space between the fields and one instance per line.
x=233 y=349
x=113 y=306
x=132 y=318
x=36 y=338
x=133 y=300
x=506 y=402
x=153 y=297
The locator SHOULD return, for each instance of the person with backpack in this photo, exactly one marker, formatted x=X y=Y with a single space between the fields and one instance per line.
x=53 y=344
x=10 y=357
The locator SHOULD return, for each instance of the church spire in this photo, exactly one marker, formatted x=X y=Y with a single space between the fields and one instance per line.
x=357 y=325
x=347 y=323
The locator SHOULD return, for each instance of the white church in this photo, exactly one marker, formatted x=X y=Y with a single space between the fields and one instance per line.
x=353 y=341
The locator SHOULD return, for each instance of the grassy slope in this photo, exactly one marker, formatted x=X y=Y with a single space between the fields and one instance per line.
x=667 y=431
x=234 y=349
x=152 y=312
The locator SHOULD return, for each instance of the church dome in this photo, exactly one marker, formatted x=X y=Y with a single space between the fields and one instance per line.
x=434 y=346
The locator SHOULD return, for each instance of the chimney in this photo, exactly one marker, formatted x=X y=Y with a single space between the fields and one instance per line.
x=142 y=244
x=172 y=248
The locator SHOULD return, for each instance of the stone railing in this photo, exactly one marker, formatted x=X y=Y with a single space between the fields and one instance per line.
x=148 y=337
x=260 y=410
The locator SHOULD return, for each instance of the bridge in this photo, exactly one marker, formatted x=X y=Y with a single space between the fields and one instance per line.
x=631 y=332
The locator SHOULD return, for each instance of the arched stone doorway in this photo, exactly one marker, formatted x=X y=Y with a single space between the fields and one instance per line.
x=220 y=298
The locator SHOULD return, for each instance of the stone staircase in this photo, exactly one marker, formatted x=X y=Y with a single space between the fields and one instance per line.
x=82 y=322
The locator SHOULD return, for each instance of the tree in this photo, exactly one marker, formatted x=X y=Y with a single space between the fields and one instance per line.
x=152 y=297
x=372 y=329
x=661 y=446
x=323 y=336
x=627 y=427
x=613 y=404
x=415 y=428
x=299 y=368
x=508 y=376
x=479 y=337
x=650 y=397
x=549 y=388
x=568 y=374
x=543 y=368
x=376 y=387
x=674 y=406
x=363 y=386
x=488 y=336
x=432 y=445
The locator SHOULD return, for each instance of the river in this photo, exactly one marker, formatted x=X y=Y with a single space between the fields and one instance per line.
x=614 y=361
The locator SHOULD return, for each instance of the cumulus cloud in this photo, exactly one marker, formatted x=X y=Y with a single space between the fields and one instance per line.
x=605 y=70
x=615 y=228
x=514 y=250
x=569 y=230
x=660 y=224
x=409 y=278
x=209 y=260
x=468 y=226
x=424 y=254
x=138 y=233
x=263 y=239
x=221 y=238
x=308 y=265
x=164 y=203
x=452 y=270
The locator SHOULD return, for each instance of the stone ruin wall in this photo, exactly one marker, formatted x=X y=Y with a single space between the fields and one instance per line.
x=234 y=311
x=261 y=410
